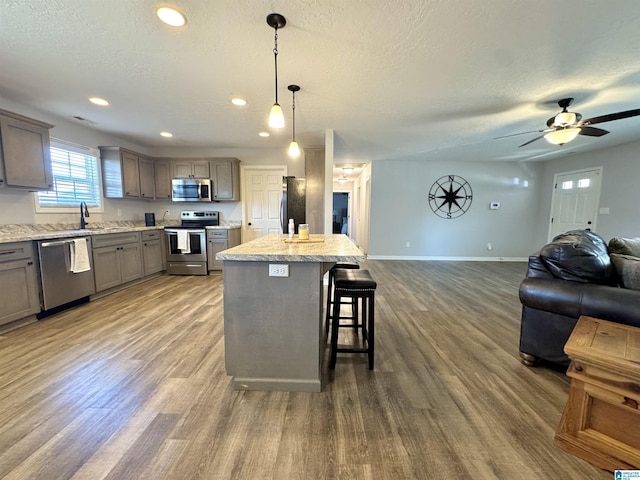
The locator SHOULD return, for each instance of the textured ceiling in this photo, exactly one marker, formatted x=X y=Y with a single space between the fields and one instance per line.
x=395 y=79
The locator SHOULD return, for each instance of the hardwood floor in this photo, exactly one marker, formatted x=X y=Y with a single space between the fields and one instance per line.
x=133 y=385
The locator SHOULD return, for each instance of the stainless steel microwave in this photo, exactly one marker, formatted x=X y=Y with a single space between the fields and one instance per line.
x=191 y=189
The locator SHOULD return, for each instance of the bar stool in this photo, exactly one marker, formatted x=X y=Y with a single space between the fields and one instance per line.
x=357 y=285
x=329 y=309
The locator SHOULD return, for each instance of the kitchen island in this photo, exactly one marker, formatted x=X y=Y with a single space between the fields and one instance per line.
x=273 y=332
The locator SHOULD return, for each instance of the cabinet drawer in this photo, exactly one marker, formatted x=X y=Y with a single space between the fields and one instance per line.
x=217 y=233
x=15 y=251
x=151 y=235
x=112 y=239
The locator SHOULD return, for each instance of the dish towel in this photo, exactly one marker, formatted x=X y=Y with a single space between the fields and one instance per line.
x=183 y=241
x=79 y=256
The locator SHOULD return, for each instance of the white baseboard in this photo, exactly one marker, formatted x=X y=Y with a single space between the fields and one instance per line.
x=449 y=259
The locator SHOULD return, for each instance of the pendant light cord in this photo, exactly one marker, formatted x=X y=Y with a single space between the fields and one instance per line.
x=275 y=59
x=294 y=116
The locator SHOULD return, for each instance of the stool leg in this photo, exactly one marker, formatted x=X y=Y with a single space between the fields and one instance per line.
x=354 y=314
x=327 y=321
x=364 y=320
x=335 y=325
x=371 y=330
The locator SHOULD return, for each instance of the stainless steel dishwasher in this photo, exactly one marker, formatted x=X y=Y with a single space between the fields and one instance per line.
x=59 y=284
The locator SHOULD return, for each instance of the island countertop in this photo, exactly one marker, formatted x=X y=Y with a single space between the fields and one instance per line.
x=270 y=248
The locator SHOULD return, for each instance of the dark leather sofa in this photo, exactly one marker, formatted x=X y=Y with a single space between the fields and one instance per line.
x=572 y=276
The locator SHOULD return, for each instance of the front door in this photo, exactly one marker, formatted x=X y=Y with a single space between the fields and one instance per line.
x=576 y=196
x=263 y=192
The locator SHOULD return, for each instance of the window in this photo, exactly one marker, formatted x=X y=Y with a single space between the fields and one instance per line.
x=75 y=178
x=584 y=183
x=567 y=185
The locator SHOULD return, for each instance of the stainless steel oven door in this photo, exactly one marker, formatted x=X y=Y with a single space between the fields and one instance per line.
x=196 y=243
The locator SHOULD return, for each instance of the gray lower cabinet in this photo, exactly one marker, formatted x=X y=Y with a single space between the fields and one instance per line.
x=18 y=282
x=117 y=259
x=218 y=240
x=152 y=252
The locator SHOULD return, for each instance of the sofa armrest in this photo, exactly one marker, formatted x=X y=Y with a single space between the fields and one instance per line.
x=574 y=299
x=536 y=267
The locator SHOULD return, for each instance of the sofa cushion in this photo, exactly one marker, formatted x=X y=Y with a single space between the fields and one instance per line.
x=628 y=268
x=579 y=256
x=625 y=246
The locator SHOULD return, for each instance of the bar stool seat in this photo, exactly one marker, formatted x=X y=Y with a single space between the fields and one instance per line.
x=329 y=309
x=356 y=285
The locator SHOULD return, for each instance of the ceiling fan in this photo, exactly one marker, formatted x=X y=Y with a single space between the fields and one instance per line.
x=565 y=126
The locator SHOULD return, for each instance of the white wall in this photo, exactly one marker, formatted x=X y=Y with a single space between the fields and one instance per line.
x=620 y=188
x=17 y=207
x=400 y=210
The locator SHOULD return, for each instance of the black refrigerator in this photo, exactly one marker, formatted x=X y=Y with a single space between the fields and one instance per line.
x=293 y=203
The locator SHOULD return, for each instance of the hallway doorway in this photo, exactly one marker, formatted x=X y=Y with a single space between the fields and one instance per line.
x=341 y=212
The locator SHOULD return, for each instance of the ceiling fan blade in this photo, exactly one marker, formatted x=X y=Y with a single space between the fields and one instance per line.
x=592 y=131
x=612 y=116
x=531 y=141
x=523 y=133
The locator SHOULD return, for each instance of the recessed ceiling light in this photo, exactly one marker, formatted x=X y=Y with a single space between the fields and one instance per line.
x=264 y=134
x=99 y=101
x=238 y=101
x=171 y=16
x=166 y=134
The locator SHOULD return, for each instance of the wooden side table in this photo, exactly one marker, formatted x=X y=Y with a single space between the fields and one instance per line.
x=601 y=420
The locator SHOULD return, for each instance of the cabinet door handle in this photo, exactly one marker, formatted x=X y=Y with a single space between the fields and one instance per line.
x=29 y=263
x=8 y=252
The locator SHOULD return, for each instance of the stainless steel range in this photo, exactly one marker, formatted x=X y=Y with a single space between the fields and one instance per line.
x=187 y=243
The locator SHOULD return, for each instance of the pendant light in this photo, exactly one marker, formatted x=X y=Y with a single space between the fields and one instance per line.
x=276 y=117
x=294 y=149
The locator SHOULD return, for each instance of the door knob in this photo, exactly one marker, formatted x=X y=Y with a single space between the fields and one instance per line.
x=249 y=223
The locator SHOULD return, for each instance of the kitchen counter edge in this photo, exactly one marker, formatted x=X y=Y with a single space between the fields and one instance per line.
x=272 y=248
x=11 y=237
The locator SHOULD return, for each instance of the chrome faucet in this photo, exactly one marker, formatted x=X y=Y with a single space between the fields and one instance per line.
x=83 y=213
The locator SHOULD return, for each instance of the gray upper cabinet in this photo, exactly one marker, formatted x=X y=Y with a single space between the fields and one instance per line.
x=226 y=179
x=162 y=174
x=191 y=168
x=147 y=178
x=120 y=172
x=25 y=159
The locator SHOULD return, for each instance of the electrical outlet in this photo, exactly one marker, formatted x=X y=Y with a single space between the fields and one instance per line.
x=408 y=244
x=119 y=212
x=278 y=270
x=489 y=246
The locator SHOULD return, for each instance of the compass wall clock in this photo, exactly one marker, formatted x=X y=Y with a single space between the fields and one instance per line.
x=450 y=196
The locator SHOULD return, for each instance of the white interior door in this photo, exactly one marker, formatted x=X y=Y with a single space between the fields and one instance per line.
x=576 y=197
x=262 y=191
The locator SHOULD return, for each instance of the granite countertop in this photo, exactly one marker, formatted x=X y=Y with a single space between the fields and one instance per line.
x=334 y=248
x=22 y=233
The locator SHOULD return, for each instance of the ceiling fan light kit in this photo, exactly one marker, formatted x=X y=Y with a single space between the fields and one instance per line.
x=562 y=136
x=564 y=118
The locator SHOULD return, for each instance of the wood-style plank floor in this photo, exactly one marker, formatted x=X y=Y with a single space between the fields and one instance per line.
x=133 y=386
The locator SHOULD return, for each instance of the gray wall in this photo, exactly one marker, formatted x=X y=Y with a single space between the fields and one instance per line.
x=400 y=210
x=620 y=188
